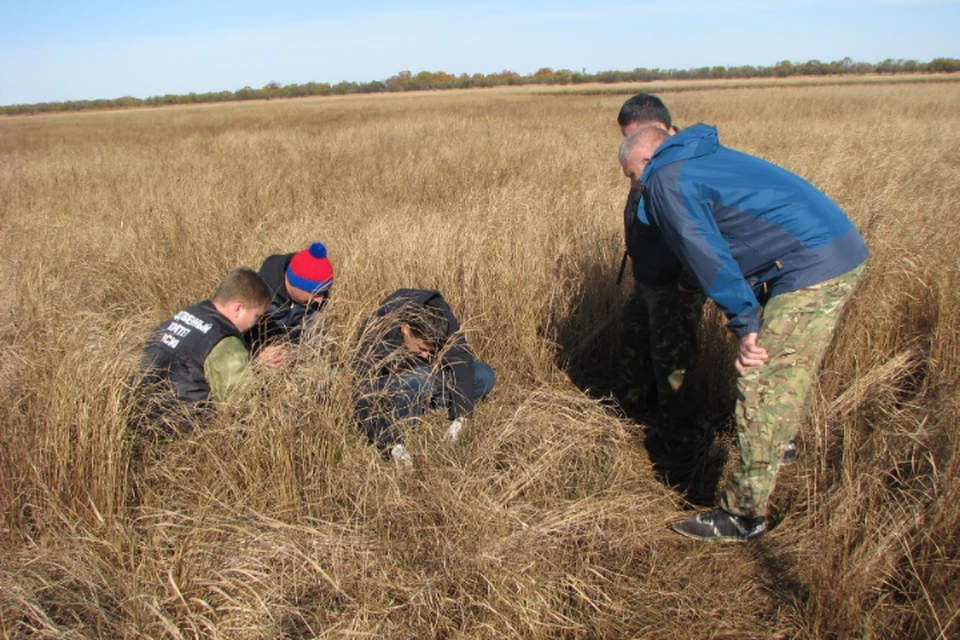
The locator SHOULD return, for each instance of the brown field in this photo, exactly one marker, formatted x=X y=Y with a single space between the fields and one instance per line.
x=547 y=521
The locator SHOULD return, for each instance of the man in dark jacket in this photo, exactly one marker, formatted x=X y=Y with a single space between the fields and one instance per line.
x=413 y=355
x=780 y=260
x=661 y=317
x=301 y=283
x=196 y=358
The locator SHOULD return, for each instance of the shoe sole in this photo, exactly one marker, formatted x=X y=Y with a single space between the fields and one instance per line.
x=694 y=536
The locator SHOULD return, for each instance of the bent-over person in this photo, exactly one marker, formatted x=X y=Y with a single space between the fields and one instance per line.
x=781 y=260
x=413 y=356
x=195 y=359
x=302 y=283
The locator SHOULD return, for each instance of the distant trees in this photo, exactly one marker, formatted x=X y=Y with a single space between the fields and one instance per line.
x=943 y=65
x=406 y=81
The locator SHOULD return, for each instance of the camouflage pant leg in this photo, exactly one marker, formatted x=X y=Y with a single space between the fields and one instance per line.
x=771 y=400
x=674 y=319
x=636 y=371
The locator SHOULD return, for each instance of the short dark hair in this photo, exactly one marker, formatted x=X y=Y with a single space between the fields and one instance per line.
x=426 y=323
x=245 y=285
x=644 y=107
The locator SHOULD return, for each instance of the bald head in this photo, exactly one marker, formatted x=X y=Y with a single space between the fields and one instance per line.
x=637 y=148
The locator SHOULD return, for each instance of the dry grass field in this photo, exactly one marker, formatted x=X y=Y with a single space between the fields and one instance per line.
x=546 y=520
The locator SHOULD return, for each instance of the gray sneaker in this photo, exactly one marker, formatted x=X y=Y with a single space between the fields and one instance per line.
x=720 y=525
x=401 y=456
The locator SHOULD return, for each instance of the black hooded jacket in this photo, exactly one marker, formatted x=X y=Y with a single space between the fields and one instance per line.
x=382 y=354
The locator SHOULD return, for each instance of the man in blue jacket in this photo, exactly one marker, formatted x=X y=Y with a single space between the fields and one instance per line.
x=780 y=259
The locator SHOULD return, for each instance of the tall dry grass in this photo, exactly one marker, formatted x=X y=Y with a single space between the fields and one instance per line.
x=547 y=521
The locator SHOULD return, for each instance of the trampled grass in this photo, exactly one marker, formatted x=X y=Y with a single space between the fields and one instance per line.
x=547 y=520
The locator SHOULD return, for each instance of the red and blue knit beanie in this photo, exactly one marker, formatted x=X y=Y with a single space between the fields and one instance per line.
x=310 y=269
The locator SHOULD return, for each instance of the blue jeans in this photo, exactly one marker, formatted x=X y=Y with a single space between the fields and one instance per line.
x=412 y=390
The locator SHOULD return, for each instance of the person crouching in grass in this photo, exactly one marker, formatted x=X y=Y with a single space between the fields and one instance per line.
x=413 y=356
x=301 y=283
x=195 y=359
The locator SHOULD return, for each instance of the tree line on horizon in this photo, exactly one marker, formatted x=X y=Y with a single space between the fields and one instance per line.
x=427 y=80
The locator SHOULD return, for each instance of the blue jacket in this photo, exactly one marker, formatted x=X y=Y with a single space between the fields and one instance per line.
x=744 y=227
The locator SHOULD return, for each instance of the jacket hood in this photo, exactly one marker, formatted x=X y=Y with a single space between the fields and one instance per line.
x=693 y=142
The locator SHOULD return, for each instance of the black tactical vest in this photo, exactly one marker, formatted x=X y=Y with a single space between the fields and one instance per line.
x=178 y=348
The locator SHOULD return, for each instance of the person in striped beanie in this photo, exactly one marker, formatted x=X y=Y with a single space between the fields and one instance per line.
x=301 y=283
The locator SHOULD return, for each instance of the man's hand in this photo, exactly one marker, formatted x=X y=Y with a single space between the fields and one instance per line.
x=751 y=354
x=274 y=356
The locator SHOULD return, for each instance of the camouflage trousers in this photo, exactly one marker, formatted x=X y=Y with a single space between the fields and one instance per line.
x=772 y=399
x=659 y=346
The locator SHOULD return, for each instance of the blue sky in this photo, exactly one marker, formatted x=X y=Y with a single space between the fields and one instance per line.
x=55 y=50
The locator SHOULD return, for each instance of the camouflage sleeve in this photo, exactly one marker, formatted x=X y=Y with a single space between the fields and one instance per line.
x=224 y=366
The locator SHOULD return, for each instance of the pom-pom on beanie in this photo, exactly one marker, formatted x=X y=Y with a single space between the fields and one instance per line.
x=310 y=269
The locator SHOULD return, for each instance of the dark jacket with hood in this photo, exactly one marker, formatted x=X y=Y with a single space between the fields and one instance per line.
x=382 y=353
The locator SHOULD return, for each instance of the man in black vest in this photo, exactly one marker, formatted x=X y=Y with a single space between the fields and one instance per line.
x=301 y=283
x=195 y=359
x=412 y=356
